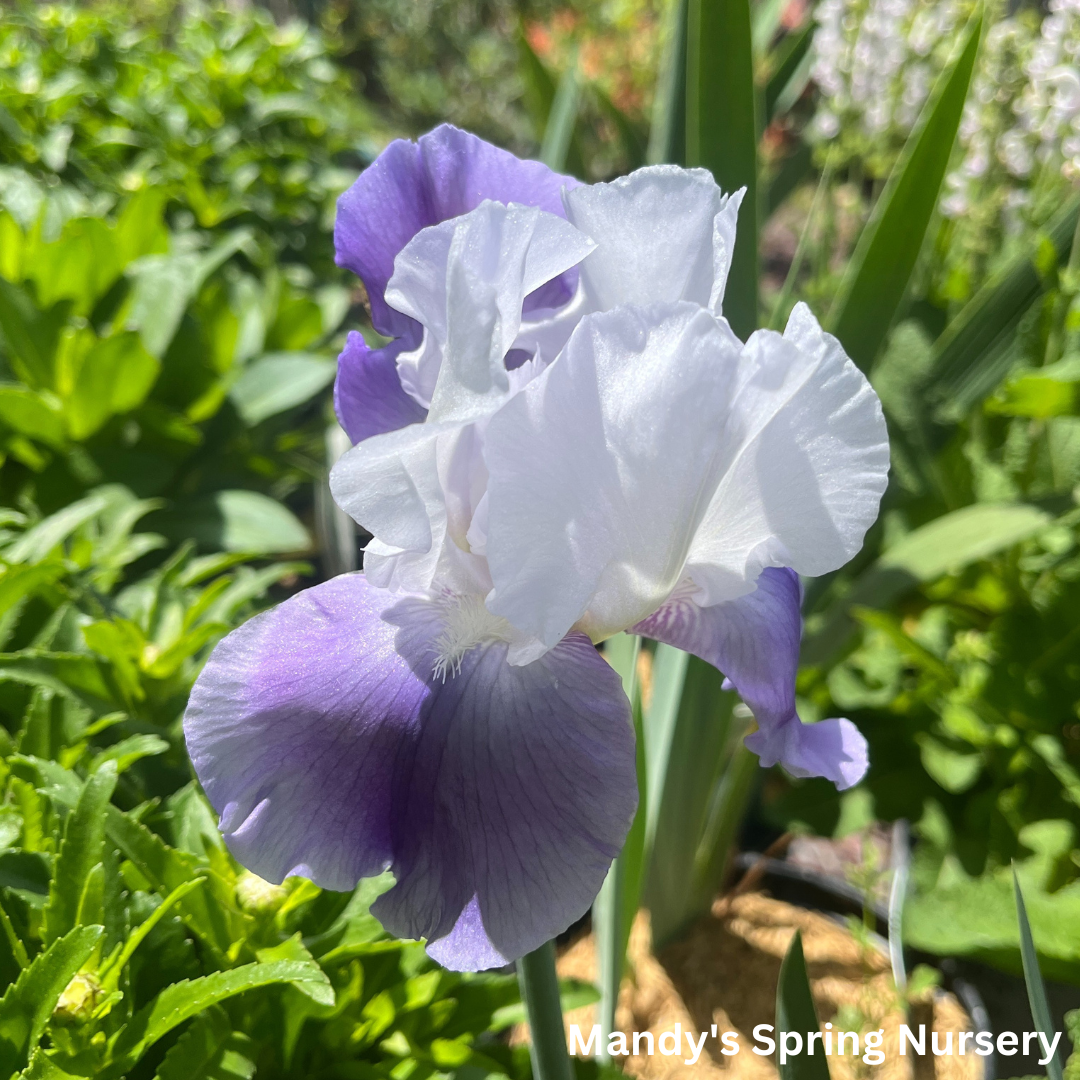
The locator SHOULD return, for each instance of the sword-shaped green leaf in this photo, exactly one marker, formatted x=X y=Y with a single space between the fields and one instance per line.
x=880 y=270
x=722 y=132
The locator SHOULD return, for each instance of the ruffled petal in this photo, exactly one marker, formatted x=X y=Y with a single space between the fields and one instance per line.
x=410 y=186
x=520 y=794
x=294 y=728
x=601 y=468
x=497 y=797
x=368 y=397
x=663 y=234
x=754 y=641
x=808 y=462
x=465 y=281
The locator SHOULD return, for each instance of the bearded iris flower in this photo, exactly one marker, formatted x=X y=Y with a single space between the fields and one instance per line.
x=563 y=439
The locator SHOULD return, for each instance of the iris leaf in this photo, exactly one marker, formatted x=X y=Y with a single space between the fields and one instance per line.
x=795 y=1012
x=1040 y=1009
x=722 y=132
x=880 y=270
x=971 y=340
x=667 y=136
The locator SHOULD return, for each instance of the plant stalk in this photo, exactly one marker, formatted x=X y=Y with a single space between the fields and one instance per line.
x=540 y=992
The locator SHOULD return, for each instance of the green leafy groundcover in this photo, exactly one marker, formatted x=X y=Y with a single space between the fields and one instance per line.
x=131 y=943
x=237 y=119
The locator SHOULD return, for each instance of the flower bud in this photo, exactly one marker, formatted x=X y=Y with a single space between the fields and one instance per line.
x=258 y=897
x=79 y=999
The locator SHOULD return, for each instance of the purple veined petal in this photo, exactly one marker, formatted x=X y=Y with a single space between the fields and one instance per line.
x=446 y=173
x=498 y=797
x=520 y=793
x=294 y=726
x=368 y=397
x=754 y=641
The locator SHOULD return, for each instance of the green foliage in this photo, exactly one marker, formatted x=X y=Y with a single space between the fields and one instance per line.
x=232 y=118
x=132 y=943
x=880 y=269
x=165 y=362
x=795 y=1012
x=723 y=138
x=1040 y=1010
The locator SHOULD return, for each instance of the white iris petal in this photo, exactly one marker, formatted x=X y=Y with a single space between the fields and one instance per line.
x=654 y=452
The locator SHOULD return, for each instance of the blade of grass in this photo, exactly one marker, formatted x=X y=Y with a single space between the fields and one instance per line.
x=722 y=132
x=540 y=92
x=561 y=121
x=792 y=52
x=780 y=312
x=880 y=270
x=667 y=135
x=1040 y=1008
x=795 y=1012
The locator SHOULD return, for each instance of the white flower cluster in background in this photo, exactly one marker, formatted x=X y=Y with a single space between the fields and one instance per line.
x=1049 y=108
x=875 y=62
x=997 y=152
x=1021 y=126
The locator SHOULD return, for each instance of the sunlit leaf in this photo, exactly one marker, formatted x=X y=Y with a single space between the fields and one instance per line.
x=279 y=381
x=880 y=269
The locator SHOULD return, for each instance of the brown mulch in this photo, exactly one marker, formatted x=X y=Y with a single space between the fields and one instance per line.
x=724 y=972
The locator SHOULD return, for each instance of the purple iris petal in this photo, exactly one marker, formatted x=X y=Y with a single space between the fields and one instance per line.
x=410 y=186
x=754 y=641
x=368 y=397
x=498 y=797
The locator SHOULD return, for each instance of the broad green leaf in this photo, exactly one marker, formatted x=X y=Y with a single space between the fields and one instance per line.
x=993 y=312
x=795 y=1012
x=115 y=377
x=279 y=381
x=31 y=335
x=236 y=521
x=28 y=1003
x=164 y=285
x=35 y=415
x=947 y=543
x=78 y=267
x=1040 y=1009
x=880 y=269
x=82 y=848
x=209 y=1050
x=1042 y=393
x=962 y=537
x=181 y=1001
x=722 y=132
x=250 y=585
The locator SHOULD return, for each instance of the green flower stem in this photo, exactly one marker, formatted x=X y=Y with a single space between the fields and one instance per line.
x=540 y=992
